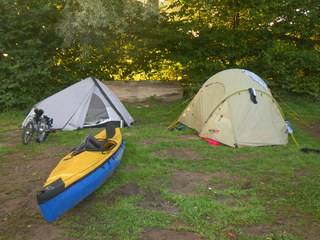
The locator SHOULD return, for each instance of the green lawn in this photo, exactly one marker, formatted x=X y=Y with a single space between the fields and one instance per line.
x=174 y=180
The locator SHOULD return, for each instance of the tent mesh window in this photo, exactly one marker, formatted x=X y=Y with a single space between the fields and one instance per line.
x=97 y=111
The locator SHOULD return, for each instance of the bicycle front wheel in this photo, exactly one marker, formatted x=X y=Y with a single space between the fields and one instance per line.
x=42 y=132
x=27 y=133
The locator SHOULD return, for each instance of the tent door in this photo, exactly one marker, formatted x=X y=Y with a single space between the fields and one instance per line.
x=257 y=124
x=97 y=111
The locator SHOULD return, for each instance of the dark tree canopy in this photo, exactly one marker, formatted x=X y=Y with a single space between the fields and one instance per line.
x=48 y=44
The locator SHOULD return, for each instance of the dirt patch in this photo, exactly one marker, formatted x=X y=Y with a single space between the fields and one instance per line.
x=313 y=129
x=259 y=230
x=179 y=153
x=245 y=184
x=295 y=224
x=223 y=180
x=187 y=183
x=228 y=200
x=162 y=234
x=155 y=140
x=21 y=177
x=24 y=224
x=7 y=144
x=299 y=224
x=231 y=235
x=48 y=232
x=129 y=168
x=13 y=134
x=225 y=176
x=188 y=137
x=153 y=200
x=179 y=224
x=148 y=142
x=10 y=138
x=127 y=190
x=303 y=172
x=241 y=156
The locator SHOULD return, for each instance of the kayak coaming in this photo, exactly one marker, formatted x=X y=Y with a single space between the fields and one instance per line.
x=70 y=195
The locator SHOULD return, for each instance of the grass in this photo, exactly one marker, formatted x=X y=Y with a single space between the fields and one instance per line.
x=258 y=187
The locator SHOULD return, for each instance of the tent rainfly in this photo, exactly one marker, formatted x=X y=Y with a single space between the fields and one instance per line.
x=87 y=103
x=236 y=108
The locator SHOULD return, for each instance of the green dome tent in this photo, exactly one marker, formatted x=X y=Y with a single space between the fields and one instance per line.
x=236 y=108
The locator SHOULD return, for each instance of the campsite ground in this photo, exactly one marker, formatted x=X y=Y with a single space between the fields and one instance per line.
x=170 y=185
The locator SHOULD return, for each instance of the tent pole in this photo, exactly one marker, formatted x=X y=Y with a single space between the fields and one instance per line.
x=107 y=98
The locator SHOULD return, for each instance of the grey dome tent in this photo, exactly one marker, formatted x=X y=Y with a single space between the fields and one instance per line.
x=87 y=103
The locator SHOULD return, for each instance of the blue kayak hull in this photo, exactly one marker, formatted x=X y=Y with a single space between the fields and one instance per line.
x=52 y=209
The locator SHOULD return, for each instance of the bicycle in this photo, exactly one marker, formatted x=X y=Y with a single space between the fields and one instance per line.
x=39 y=124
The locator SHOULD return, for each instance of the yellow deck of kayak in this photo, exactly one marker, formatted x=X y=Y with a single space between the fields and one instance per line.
x=72 y=168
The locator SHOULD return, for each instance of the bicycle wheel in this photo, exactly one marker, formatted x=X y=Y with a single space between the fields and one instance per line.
x=27 y=133
x=42 y=131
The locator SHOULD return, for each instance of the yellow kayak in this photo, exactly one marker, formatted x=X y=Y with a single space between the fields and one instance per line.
x=80 y=173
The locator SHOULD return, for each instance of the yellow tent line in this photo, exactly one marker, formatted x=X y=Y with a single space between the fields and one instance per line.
x=172 y=125
x=175 y=122
x=293 y=113
x=295 y=140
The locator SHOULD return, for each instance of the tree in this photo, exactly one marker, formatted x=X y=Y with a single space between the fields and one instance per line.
x=28 y=42
x=276 y=39
x=48 y=44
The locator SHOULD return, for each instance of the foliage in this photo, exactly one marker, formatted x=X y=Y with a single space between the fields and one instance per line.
x=278 y=40
x=27 y=46
x=49 y=44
